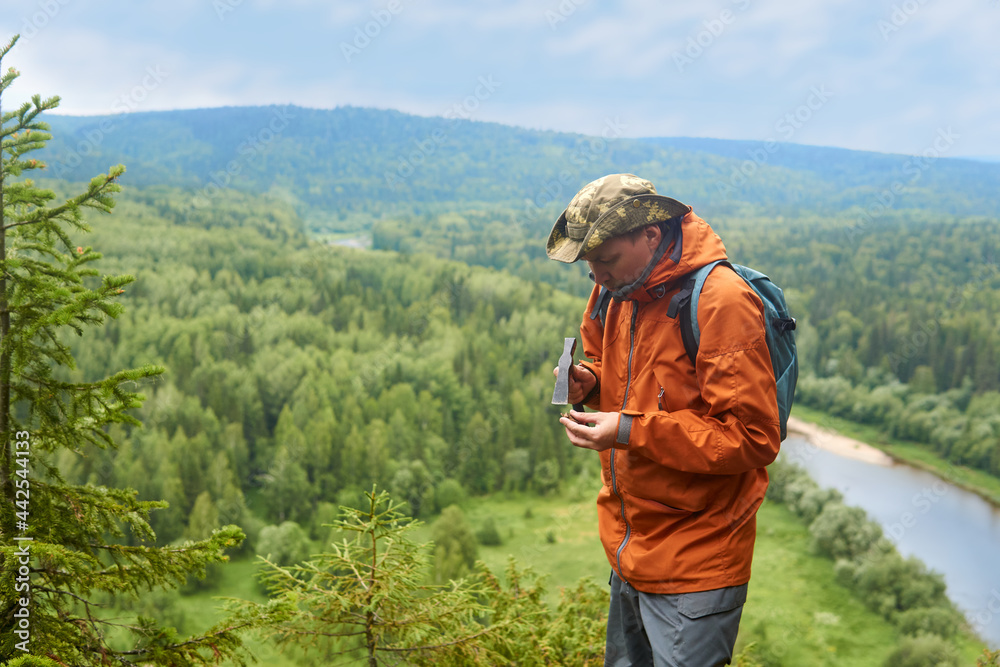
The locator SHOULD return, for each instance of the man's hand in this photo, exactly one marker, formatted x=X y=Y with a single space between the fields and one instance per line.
x=581 y=382
x=591 y=430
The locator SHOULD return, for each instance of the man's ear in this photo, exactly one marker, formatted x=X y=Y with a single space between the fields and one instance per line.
x=653 y=235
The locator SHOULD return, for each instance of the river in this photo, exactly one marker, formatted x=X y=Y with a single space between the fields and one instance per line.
x=953 y=531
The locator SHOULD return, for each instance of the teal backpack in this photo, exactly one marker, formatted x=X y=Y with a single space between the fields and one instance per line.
x=778 y=324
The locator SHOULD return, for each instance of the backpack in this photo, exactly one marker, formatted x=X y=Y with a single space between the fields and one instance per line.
x=778 y=326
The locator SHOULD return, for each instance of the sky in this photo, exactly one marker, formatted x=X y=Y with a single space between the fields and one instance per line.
x=891 y=76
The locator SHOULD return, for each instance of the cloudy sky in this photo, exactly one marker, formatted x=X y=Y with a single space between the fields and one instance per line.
x=881 y=75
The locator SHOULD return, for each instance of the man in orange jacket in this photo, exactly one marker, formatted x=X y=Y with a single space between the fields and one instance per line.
x=683 y=446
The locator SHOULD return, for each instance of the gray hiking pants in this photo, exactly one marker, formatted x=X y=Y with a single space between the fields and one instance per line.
x=682 y=630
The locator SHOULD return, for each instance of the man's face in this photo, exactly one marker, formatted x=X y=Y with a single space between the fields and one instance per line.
x=620 y=261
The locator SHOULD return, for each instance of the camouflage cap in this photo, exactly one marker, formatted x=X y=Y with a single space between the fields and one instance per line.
x=610 y=206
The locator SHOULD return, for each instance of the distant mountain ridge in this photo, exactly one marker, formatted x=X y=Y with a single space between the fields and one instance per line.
x=357 y=160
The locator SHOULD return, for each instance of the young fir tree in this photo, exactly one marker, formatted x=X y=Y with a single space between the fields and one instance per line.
x=60 y=550
x=368 y=602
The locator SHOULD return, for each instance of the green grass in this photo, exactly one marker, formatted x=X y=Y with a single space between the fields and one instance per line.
x=573 y=551
x=204 y=609
x=915 y=454
x=803 y=615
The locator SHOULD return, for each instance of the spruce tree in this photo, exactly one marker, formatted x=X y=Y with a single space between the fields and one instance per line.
x=61 y=547
x=368 y=601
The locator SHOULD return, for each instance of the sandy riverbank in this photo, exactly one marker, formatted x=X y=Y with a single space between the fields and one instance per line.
x=838 y=444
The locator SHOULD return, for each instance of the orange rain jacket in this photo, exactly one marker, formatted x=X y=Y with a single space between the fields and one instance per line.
x=677 y=512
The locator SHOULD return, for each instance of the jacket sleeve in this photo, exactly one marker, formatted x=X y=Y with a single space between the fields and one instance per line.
x=734 y=427
x=592 y=337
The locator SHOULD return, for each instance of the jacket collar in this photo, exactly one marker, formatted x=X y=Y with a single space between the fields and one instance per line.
x=697 y=245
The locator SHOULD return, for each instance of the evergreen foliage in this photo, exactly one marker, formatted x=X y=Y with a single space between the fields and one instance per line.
x=367 y=599
x=989 y=659
x=63 y=546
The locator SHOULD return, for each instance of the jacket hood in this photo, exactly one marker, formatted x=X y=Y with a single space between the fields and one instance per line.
x=700 y=245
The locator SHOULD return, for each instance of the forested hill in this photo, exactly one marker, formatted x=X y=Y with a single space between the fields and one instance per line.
x=337 y=164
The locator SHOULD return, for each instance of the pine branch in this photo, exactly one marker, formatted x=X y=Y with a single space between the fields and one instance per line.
x=97 y=197
x=439 y=646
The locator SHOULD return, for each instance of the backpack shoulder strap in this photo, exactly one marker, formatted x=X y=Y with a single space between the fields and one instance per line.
x=700 y=276
x=685 y=305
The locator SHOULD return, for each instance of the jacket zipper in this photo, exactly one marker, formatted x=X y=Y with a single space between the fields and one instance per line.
x=614 y=484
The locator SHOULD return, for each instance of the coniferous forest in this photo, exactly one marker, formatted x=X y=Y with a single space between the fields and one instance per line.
x=268 y=390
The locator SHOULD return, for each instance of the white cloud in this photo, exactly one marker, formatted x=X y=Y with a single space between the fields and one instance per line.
x=631 y=44
x=102 y=70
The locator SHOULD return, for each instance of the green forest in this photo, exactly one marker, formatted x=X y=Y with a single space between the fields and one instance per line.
x=216 y=349
x=300 y=374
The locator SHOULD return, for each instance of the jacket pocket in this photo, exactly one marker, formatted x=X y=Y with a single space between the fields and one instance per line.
x=656 y=506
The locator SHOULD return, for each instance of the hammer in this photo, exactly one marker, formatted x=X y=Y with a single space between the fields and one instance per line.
x=560 y=395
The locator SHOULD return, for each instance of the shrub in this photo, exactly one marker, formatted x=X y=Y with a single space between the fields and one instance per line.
x=449 y=492
x=890 y=584
x=454 y=546
x=844 y=532
x=923 y=651
x=488 y=535
x=284 y=544
x=942 y=621
x=780 y=474
x=812 y=502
